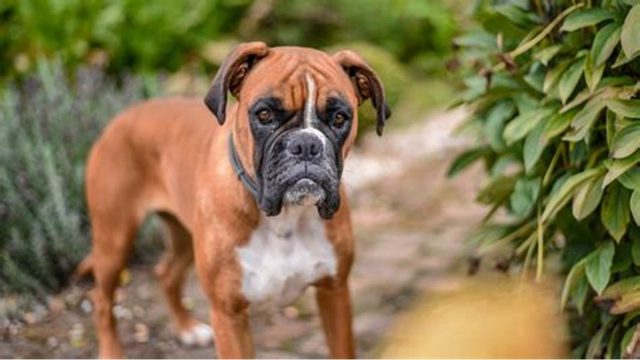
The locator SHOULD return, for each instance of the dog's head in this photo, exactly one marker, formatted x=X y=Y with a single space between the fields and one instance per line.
x=295 y=119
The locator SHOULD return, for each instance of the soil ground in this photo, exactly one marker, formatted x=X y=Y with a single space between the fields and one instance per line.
x=410 y=224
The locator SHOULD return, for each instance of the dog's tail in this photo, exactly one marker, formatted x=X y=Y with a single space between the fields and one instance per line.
x=84 y=268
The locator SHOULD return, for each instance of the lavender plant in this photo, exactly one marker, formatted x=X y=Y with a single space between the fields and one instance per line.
x=47 y=125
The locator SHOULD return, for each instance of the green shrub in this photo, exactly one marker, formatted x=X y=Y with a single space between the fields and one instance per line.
x=553 y=88
x=46 y=128
x=134 y=35
x=406 y=28
x=148 y=36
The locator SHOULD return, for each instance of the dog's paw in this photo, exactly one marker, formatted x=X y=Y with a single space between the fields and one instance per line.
x=198 y=334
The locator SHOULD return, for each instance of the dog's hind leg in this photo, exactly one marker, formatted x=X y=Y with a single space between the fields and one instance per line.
x=112 y=244
x=172 y=270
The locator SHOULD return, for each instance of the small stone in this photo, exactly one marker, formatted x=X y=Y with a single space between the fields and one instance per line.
x=120 y=295
x=76 y=335
x=56 y=305
x=30 y=318
x=144 y=292
x=141 y=333
x=291 y=312
x=86 y=306
x=122 y=312
x=14 y=329
x=138 y=311
x=125 y=277
x=188 y=302
x=53 y=342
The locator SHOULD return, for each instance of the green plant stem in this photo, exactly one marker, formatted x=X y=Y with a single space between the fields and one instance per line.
x=552 y=165
x=540 y=234
x=546 y=31
x=527 y=258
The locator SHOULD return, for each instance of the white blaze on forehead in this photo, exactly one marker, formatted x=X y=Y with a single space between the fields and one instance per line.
x=309 y=105
x=310 y=110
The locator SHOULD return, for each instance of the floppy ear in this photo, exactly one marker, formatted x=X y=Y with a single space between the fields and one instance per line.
x=229 y=78
x=366 y=83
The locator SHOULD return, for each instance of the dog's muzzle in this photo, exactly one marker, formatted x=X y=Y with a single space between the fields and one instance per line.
x=304 y=192
x=299 y=167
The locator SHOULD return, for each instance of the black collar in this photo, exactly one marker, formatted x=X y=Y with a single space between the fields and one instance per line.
x=248 y=182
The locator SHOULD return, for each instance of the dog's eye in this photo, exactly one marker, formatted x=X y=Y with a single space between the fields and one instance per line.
x=264 y=115
x=339 y=119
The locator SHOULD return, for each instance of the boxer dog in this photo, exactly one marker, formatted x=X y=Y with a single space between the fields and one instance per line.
x=252 y=193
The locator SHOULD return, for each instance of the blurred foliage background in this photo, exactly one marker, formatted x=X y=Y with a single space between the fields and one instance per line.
x=68 y=66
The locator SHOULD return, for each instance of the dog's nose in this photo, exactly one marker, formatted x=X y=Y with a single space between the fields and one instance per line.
x=305 y=147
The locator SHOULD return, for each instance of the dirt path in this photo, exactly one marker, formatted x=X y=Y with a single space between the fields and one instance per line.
x=410 y=224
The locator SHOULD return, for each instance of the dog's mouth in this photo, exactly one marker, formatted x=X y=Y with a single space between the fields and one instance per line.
x=304 y=192
x=300 y=185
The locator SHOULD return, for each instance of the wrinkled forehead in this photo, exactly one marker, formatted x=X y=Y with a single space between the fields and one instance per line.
x=294 y=74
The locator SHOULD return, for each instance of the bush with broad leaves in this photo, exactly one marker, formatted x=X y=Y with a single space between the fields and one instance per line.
x=553 y=87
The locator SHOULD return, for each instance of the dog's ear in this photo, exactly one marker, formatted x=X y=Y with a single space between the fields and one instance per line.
x=366 y=83
x=229 y=78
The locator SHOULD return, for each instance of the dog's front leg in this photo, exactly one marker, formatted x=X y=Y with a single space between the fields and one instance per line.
x=332 y=294
x=334 y=304
x=233 y=333
x=221 y=278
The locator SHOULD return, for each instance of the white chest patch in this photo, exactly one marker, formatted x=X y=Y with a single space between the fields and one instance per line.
x=285 y=254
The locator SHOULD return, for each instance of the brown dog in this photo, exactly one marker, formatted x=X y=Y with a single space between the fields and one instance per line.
x=255 y=197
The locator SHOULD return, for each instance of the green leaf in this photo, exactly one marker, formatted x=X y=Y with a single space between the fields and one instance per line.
x=598 y=266
x=610 y=126
x=497 y=191
x=615 y=211
x=588 y=17
x=576 y=273
x=622 y=59
x=629 y=317
x=604 y=43
x=587 y=197
x=465 y=159
x=557 y=125
x=594 y=349
x=478 y=38
x=622 y=297
x=577 y=100
x=626 y=339
x=494 y=126
x=520 y=126
x=553 y=76
x=625 y=108
x=545 y=55
x=503 y=164
x=631 y=32
x=622 y=287
x=631 y=179
x=584 y=119
x=592 y=74
x=619 y=167
x=626 y=141
x=580 y=293
x=635 y=251
x=569 y=79
x=561 y=197
x=614 y=340
x=634 y=204
x=517 y=14
x=534 y=144
x=524 y=196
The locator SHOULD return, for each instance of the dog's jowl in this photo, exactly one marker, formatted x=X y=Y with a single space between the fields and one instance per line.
x=250 y=191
